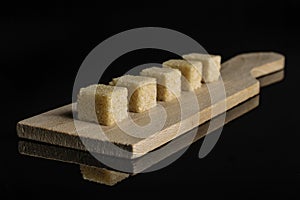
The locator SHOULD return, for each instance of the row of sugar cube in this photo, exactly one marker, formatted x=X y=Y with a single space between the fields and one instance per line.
x=139 y=93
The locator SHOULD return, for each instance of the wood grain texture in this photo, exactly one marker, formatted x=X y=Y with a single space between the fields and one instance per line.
x=239 y=75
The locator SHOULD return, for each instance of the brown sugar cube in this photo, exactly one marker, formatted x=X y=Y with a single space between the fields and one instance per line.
x=141 y=91
x=191 y=72
x=110 y=104
x=211 y=65
x=168 y=82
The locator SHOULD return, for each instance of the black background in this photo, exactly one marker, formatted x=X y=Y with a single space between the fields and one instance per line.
x=43 y=45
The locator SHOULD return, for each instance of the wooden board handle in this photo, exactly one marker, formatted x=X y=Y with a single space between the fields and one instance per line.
x=257 y=64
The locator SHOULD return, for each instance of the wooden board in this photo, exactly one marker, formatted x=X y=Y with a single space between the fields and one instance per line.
x=93 y=170
x=239 y=75
x=52 y=152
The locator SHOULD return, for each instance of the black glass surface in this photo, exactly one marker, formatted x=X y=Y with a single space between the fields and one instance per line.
x=43 y=46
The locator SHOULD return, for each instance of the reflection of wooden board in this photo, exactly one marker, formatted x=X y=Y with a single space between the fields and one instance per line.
x=57 y=126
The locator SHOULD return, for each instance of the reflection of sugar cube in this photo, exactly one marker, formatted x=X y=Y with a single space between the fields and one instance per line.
x=168 y=82
x=191 y=73
x=211 y=65
x=110 y=104
x=141 y=91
